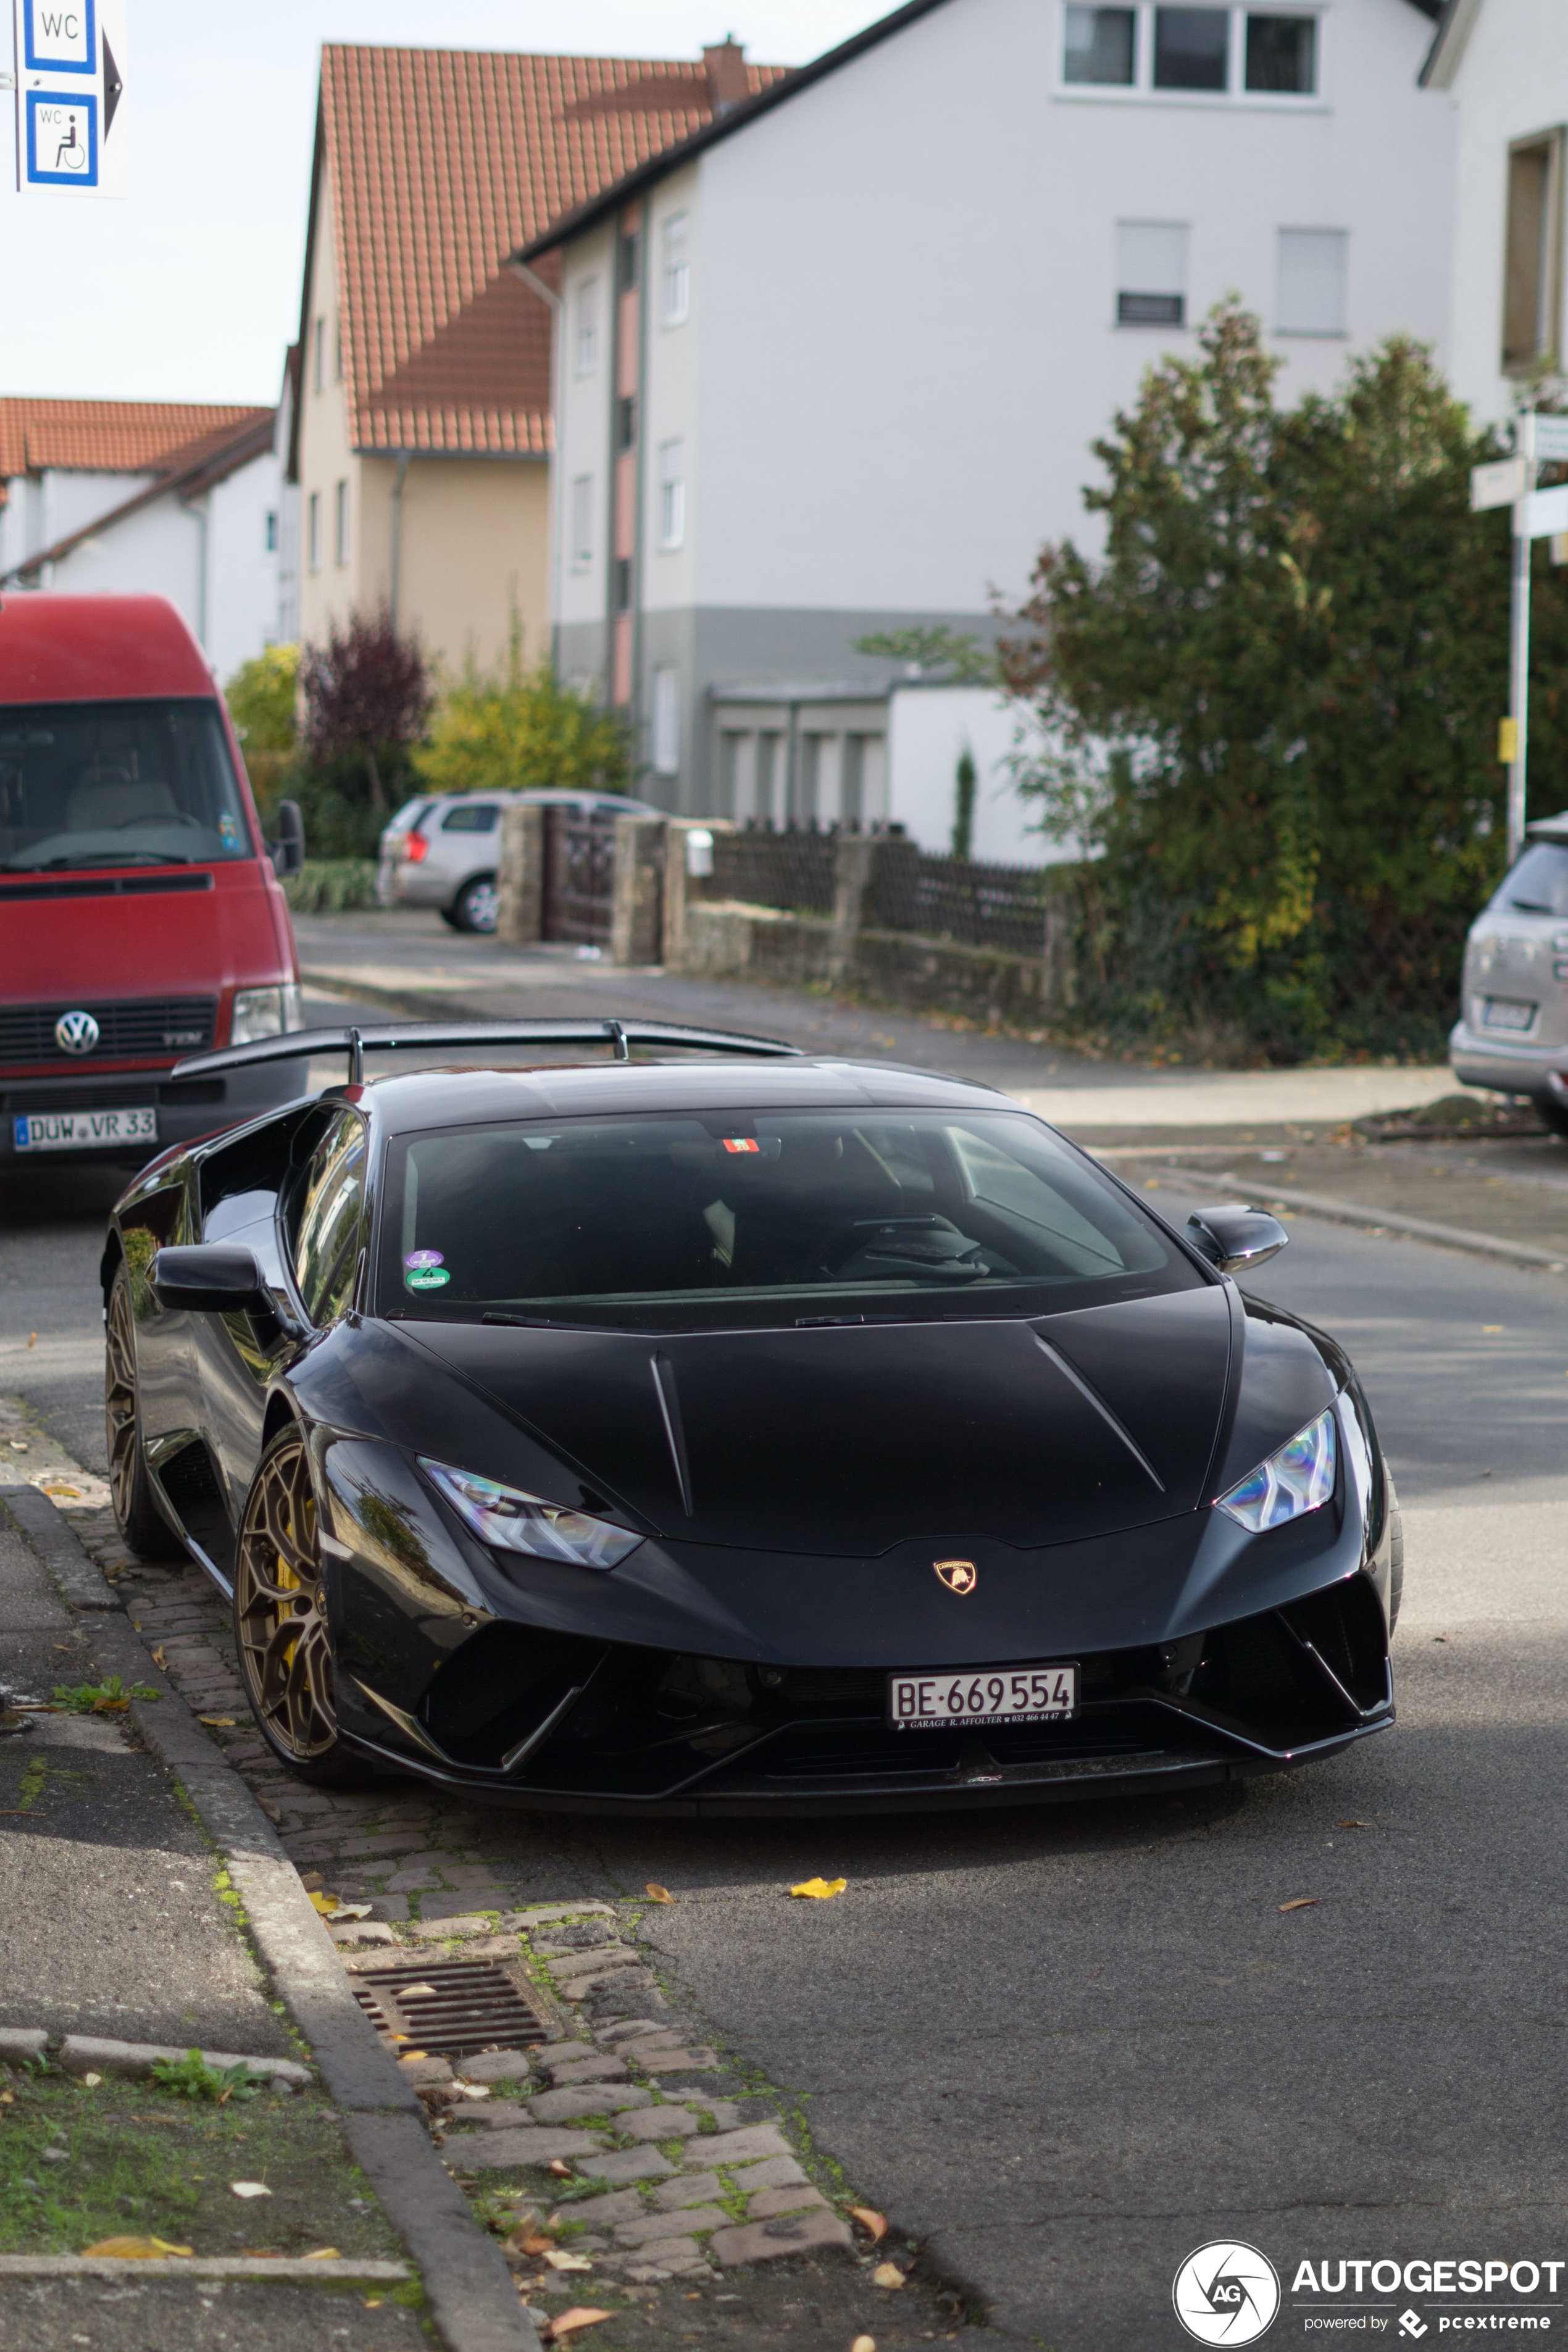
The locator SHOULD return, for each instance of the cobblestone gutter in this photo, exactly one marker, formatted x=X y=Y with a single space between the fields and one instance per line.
x=626 y=2168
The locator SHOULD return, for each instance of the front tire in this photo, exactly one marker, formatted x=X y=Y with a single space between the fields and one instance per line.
x=280 y=1621
x=477 y=905
x=136 y=1515
x=1553 y=1116
x=1395 y=1557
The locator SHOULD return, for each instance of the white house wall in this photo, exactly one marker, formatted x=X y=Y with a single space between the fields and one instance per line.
x=583 y=451
x=242 y=607
x=1512 y=79
x=929 y=729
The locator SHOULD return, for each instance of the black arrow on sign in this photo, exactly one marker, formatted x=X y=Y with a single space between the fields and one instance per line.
x=113 y=88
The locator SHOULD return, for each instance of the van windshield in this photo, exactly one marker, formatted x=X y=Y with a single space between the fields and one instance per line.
x=1537 y=885
x=117 y=784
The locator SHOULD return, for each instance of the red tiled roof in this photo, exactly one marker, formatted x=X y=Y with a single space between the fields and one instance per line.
x=114 y=437
x=441 y=162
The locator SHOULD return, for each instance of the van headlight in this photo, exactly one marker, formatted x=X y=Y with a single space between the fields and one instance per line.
x=510 y=1520
x=265 y=1013
x=1299 y=1478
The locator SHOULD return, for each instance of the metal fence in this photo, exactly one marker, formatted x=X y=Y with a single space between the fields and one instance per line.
x=958 y=899
x=793 y=868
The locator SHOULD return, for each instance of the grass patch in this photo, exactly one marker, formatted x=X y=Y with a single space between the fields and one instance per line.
x=143 y=2163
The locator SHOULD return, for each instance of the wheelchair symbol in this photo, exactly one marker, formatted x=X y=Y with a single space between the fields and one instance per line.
x=70 y=155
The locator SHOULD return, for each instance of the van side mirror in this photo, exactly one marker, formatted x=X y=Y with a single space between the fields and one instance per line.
x=1236 y=1238
x=287 y=852
x=210 y=1278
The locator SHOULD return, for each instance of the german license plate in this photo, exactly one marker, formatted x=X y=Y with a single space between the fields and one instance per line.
x=1507 y=1013
x=80 y=1130
x=983 y=1694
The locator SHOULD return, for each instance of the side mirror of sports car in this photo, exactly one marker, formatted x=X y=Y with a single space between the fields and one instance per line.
x=212 y=1280
x=1234 y=1237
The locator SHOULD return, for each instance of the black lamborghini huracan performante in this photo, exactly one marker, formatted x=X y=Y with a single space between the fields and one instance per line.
x=717 y=1429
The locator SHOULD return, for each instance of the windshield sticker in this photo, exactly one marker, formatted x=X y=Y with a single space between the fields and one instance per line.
x=742 y=1143
x=418 y=1259
x=427 y=1277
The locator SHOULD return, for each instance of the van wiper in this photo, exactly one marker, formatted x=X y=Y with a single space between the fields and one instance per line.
x=526 y=1322
x=91 y=857
x=1530 y=906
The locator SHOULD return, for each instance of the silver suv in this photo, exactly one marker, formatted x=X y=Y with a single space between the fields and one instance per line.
x=442 y=851
x=1512 y=1030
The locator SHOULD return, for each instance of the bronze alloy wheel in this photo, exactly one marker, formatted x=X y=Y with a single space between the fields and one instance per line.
x=135 y=1513
x=279 y=1610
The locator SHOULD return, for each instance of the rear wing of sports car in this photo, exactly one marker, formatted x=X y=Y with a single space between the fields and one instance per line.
x=419 y=1036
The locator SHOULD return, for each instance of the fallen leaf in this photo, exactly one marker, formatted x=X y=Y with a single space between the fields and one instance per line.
x=657 y=1894
x=1440 y=1637
x=562 y=2171
x=563 y=2261
x=567 y=2323
x=325 y=1903
x=820 y=1889
x=864 y=2344
x=1355 y=1825
x=159 y=1657
x=136 y=2249
x=886 y=2274
x=91 y=2082
x=1299 y=1903
x=219 y=1722
x=404 y=1990
x=248 y=2188
x=324 y=2254
x=374 y=2301
x=535 y=2246
x=352 y=1911
x=871 y=2220
x=111 y=1707
x=32 y=1338
x=407 y=2053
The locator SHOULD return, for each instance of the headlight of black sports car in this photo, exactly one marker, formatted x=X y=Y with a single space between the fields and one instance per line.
x=1299 y=1478
x=510 y=1520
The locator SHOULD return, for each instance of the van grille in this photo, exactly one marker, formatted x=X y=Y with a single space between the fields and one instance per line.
x=131 y=1029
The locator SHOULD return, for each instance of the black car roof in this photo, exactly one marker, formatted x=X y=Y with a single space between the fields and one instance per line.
x=437 y=1097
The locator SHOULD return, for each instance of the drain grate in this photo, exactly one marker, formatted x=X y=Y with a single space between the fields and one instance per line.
x=453 y=2009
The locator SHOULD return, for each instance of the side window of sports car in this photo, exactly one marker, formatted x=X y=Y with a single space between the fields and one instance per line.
x=327 y=1240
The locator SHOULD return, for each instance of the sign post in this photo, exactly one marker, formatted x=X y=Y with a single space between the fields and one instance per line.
x=1537 y=514
x=69 y=92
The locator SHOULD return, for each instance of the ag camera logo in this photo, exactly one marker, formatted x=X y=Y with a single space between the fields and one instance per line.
x=1227 y=2293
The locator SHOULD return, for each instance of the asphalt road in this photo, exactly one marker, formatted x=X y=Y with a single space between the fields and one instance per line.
x=1064 y=2047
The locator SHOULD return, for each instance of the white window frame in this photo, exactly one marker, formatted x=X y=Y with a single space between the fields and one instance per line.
x=671 y=496
x=341 y=522
x=665 y=727
x=1140 y=90
x=676 y=277
x=585 y=328
x=1181 y=292
x=581 y=522
x=1312 y=334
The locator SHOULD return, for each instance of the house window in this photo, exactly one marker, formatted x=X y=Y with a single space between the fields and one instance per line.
x=319 y=361
x=1150 y=274
x=627 y=421
x=269 y=531
x=1227 y=52
x=622 y=581
x=671 y=494
x=588 y=326
x=628 y=260
x=1099 y=45
x=341 y=522
x=1192 y=48
x=677 y=271
x=666 y=721
x=1532 y=265
x=313 y=528
x=1311 y=296
x=1282 y=54
x=338 y=349
x=582 y=522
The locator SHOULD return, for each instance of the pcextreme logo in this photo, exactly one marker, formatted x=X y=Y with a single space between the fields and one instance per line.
x=1227 y=2293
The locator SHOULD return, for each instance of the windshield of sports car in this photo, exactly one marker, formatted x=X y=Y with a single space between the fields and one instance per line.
x=709 y=1220
x=116 y=784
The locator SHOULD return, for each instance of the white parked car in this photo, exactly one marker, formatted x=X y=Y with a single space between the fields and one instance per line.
x=442 y=850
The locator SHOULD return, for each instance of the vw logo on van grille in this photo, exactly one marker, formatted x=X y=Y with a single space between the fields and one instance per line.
x=76 y=1032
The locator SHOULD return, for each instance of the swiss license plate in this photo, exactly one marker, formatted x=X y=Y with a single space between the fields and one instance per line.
x=81 y=1130
x=1507 y=1013
x=983 y=1694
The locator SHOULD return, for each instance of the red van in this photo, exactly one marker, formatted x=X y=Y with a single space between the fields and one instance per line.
x=141 y=918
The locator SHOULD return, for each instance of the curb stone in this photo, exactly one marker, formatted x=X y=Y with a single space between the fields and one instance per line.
x=471 y=2296
x=215 y=2266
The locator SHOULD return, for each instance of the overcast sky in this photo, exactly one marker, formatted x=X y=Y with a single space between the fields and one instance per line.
x=189 y=288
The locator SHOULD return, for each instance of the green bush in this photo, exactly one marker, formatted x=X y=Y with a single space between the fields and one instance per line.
x=512 y=729
x=331 y=886
x=1276 y=699
x=263 y=700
